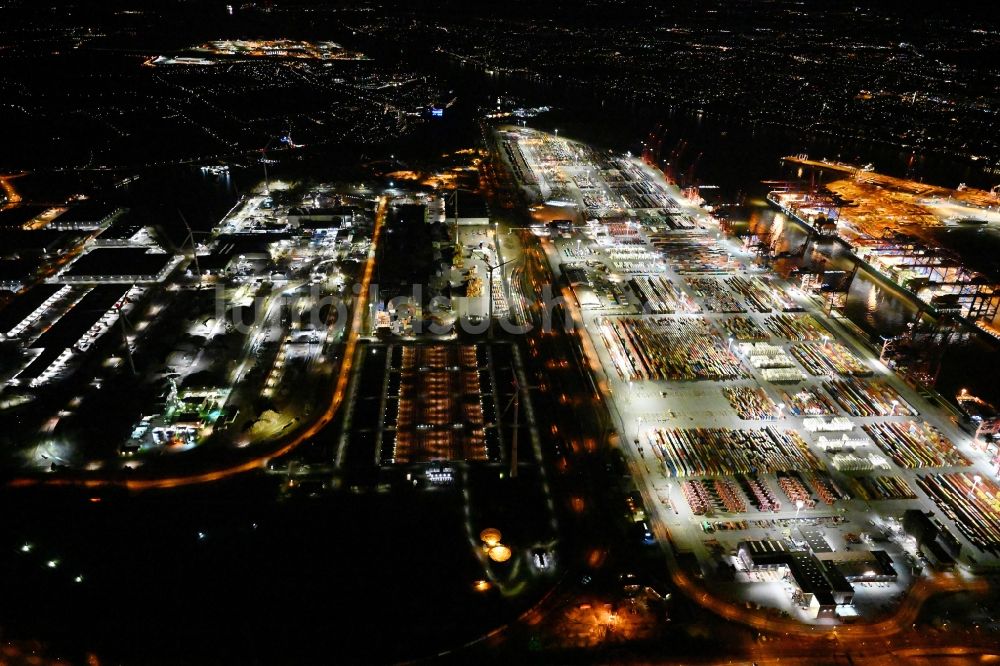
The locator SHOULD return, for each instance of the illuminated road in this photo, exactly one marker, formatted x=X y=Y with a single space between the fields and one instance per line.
x=13 y=198
x=337 y=398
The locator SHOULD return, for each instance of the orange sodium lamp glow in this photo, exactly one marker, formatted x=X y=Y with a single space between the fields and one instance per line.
x=500 y=553
x=490 y=536
x=481 y=585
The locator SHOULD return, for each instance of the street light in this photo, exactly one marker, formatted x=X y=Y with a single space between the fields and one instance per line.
x=798 y=506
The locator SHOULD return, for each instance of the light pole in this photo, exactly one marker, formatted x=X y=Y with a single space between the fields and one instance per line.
x=798 y=507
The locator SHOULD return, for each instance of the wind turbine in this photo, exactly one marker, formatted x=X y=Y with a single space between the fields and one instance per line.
x=122 y=321
x=491 y=268
x=190 y=240
x=263 y=160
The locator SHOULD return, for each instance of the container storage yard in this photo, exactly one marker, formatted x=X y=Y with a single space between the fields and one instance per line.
x=747 y=413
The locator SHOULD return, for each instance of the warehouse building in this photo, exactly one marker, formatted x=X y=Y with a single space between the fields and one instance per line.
x=26 y=308
x=74 y=333
x=120 y=265
x=823 y=586
x=87 y=216
x=316 y=219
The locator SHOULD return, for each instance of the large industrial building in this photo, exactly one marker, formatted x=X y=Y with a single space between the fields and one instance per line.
x=27 y=308
x=314 y=219
x=74 y=332
x=120 y=264
x=823 y=586
x=87 y=216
